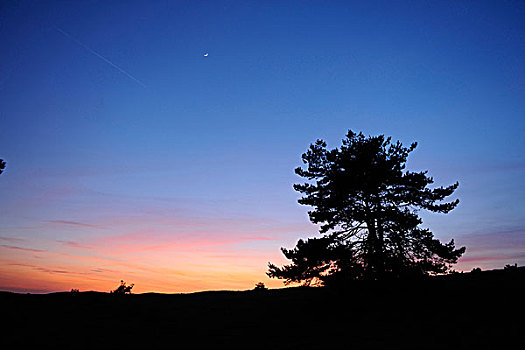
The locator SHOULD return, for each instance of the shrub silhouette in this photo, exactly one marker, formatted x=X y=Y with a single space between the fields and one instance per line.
x=123 y=288
x=511 y=268
x=260 y=287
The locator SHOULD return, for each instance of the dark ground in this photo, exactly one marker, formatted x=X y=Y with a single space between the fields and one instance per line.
x=483 y=310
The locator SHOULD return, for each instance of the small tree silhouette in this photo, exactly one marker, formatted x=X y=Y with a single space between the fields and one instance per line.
x=123 y=288
x=511 y=268
x=2 y=165
x=260 y=287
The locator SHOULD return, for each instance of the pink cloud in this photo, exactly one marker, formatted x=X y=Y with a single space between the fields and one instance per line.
x=73 y=244
x=493 y=249
x=72 y=223
x=160 y=240
x=12 y=239
x=23 y=249
x=161 y=233
x=48 y=270
x=494 y=257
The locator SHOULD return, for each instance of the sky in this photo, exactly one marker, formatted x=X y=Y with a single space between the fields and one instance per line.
x=132 y=155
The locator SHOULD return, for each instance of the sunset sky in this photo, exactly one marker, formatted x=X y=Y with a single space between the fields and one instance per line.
x=131 y=155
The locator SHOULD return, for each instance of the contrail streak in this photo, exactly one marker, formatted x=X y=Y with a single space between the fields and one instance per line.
x=99 y=56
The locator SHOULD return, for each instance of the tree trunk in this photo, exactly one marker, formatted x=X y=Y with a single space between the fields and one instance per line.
x=380 y=256
x=380 y=240
x=371 y=270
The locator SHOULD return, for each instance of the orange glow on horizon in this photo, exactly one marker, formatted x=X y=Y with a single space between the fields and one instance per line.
x=151 y=266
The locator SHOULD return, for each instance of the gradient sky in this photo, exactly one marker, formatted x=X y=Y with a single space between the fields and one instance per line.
x=130 y=155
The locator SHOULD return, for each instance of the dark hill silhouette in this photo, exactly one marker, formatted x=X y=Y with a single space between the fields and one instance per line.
x=465 y=310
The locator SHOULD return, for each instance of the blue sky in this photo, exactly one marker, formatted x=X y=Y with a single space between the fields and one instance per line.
x=113 y=122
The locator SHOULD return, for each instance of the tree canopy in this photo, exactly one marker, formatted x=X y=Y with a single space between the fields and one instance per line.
x=367 y=207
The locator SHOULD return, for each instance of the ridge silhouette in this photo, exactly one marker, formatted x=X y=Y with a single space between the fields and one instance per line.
x=460 y=310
